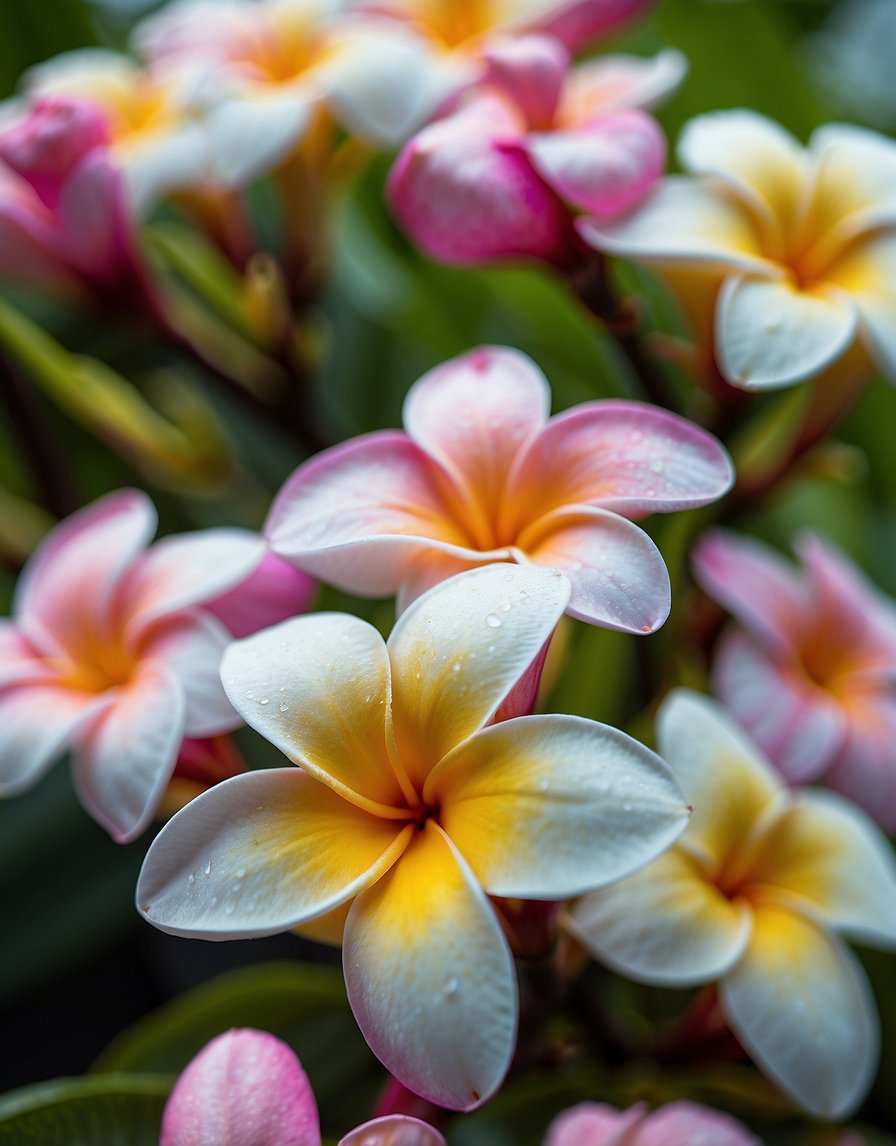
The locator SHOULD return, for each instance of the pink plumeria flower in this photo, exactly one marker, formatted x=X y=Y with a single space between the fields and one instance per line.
x=783 y=256
x=409 y=807
x=753 y=896
x=501 y=176
x=482 y=475
x=247 y=1088
x=676 y=1124
x=809 y=672
x=109 y=655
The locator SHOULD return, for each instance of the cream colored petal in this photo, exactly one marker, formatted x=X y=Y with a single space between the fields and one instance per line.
x=867 y=273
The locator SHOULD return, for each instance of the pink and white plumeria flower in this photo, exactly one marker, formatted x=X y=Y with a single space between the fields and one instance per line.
x=482 y=475
x=501 y=176
x=783 y=256
x=247 y=1088
x=409 y=807
x=110 y=655
x=753 y=896
x=676 y=1124
x=810 y=670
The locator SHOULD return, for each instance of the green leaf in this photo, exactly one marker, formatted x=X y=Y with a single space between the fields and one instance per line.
x=305 y=1005
x=115 y=1110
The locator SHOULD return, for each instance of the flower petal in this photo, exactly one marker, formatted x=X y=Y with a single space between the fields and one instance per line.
x=593 y=1124
x=318 y=688
x=244 y=1087
x=546 y=807
x=772 y=334
x=20 y=662
x=261 y=853
x=867 y=272
x=430 y=977
x=754 y=583
x=359 y=514
x=577 y=22
x=394 y=1130
x=605 y=167
x=273 y=592
x=458 y=651
x=122 y=765
x=720 y=771
x=612 y=83
x=531 y=70
x=686 y=1124
x=667 y=925
x=683 y=223
x=836 y=864
x=800 y=1004
x=799 y=727
x=626 y=456
x=864 y=768
x=618 y=577
x=39 y=722
x=474 y=414
x=248 y=137
x=64 y=593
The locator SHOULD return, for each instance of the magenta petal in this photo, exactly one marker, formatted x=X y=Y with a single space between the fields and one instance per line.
x=577 y=22
x=531 y=71
x=97 y=232
x=466 y=193
x=272 y=593
x=244 y=1088
x=66 y=588
x=29 y=240
x=394 y=1130
x=604 y=168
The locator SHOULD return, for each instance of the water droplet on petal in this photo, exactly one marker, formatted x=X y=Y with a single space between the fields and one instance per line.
x=451 y=986
x=265 y=700
x=208 y=868
x=493 y=621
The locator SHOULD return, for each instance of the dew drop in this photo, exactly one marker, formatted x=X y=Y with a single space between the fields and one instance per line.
x=250 y=696
x=265 y=700
x=451 y=986
x=284 y=708
x=657 y=466
x=240 y=873
x=493 y=621
x=456 y=666
x=191 y=878
x=208 y=868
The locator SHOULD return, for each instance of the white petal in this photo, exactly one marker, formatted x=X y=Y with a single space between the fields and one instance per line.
x=247 y=137
x=191 y=646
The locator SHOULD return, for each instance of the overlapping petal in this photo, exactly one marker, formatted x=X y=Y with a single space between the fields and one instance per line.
x=430 y=977
x=459 y=649
x=546 y=807
x=20 y=661
x=532 y=71
x=261 y=853
x=611 y=83
x=795 y=976
x=394 y=1130
x=190 y=645
x=867 y=272
x=665 y=925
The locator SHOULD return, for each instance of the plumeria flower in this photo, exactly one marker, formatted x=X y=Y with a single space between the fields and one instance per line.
x=784 y=256
x=754 y=896
x=247 y=1088
x=407 y=810
x=677 y=1124
x=482 y=475
x=809 y=671
x=501 y=176
x=109 y=654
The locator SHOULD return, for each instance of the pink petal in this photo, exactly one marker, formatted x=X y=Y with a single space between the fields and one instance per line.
x=98 y=236
x=865 y=768
x=604 y=168
x=473 y=415
x=577 y=22
x=394 y=1130
x=274 y=592
x=123 y=764
x=466 y=193
x=593 y=1124
x=625 y=456
x=39 y=722
x=29 y=240
x=799 y=727
x=188 y=569
x=359 y=515
x=619 y=580
x=20 y=662
x=685 y=1123
x=65 y=590
x=244 y=1088
x=611 y=83
x=530 y=70
x=753 y=582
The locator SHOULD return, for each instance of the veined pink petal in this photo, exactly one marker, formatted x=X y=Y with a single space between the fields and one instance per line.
x=185 y=570
x=65 y=590
x=261 y=853
x=686 y=1124
x=753 y=582
x=593 y=1124
x=605 y=167
x=359 y=514
x=124 y=761
x=393 y=1130
x=273 y=592
x=800 y=728
x=625 y=456
x=474 y=414
x=618 y=577
x=466 y=193
x=612 y=83
x=39 y=721
x=531 y=70
x=430 y=977
x=577 y=22
x=191 y=645
x=244 y=1088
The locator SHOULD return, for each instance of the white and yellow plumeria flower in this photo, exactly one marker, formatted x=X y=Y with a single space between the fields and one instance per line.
x=753 y=896
x=783 y=256
x=407 y=809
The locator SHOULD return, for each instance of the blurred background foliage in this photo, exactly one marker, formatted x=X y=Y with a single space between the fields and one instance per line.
x=76 y=964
